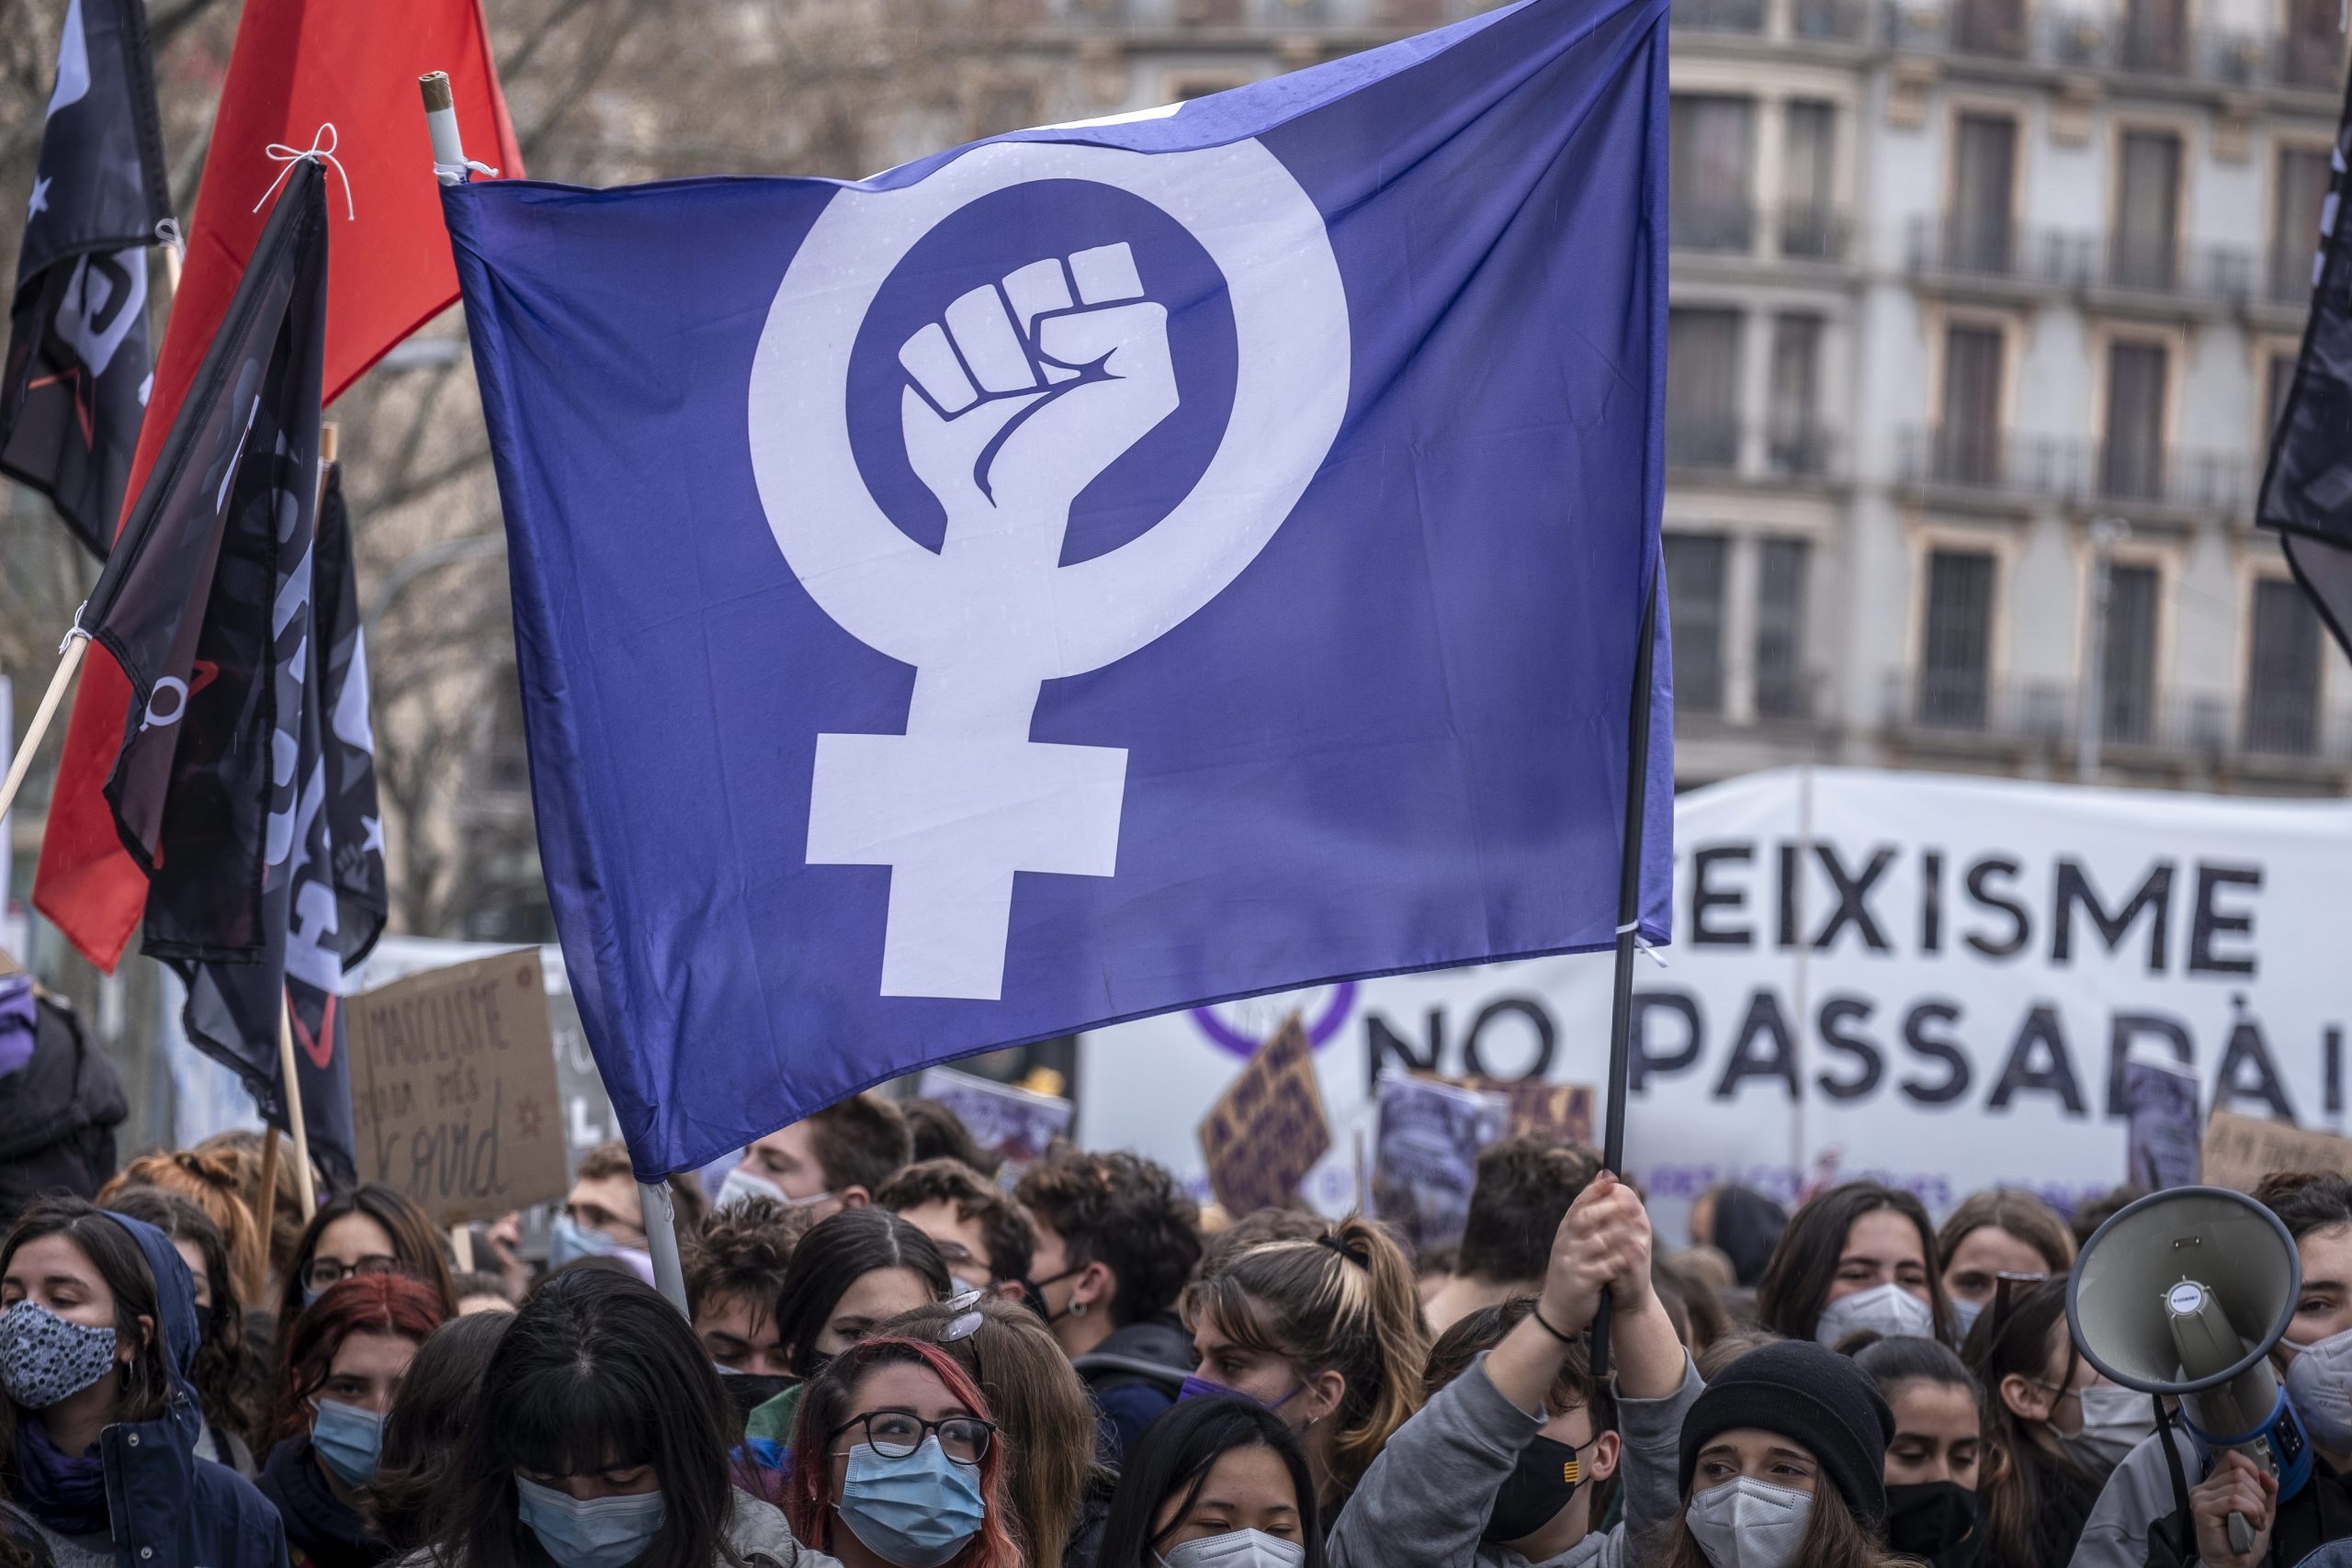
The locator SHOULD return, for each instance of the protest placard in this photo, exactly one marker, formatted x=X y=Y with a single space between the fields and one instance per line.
x=2161 y=1131
x=1012 y=1123
x=1562 y=1110
x=1267 y=1131
x=2241 y=1150
x=1425 y=1160
x=453 y=1086
x=8 y=965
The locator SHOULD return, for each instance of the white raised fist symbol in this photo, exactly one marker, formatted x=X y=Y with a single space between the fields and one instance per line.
x=1030 y=389
x=1020 y=395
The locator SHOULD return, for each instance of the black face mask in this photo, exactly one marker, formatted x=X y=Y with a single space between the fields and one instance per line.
x=1537 y=1487
x=1937 y=1521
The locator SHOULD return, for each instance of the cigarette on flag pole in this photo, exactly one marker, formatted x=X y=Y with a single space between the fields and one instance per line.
x=292 y=1087
x=76 y=642
x=441 y=123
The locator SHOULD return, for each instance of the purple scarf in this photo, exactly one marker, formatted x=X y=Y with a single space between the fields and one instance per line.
x=66 y=1493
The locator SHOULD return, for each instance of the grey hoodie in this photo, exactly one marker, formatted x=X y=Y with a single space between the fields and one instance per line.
x=1425 y=1499
x=2137 y=1494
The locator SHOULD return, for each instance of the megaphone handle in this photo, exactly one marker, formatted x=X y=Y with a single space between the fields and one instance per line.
x=2240 y=1534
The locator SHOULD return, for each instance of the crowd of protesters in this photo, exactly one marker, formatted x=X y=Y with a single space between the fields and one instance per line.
x=897 y=1357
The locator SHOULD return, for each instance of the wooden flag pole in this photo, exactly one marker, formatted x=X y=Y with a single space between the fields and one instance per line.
x=268 y=1215
x=76 y=642
x=293 y=1090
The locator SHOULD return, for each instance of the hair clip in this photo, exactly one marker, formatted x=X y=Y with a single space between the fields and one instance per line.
x=963 y=1327
x=964 y=1302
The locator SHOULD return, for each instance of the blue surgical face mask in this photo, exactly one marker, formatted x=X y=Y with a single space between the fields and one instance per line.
x=348 y=1439
x=915 y=1512
x=1966 y=1313
x=603 y=1532
x=1198 y=1387
x=568 y=1241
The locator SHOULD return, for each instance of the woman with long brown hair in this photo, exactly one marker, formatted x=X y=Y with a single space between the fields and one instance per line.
x=2053 y=1427
x=1056 y=1494
x=1857 y=1258
x=2001 y=1231
x=1326 y=1332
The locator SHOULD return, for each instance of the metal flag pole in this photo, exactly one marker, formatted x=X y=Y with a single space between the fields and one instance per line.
x=1629 y=920
x=452 y=167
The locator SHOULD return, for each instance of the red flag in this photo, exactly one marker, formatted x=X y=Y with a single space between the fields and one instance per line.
x=298 y=65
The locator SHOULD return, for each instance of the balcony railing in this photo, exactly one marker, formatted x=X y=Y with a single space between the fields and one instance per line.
x=1997 y=250
x=1702 y=441
x=1721 y=16
x=1815 y=232
x=1961 y=702
x=1696 y=225
x=2122 y=473
x=1788 y=448
x=1832 y=22
x=2091 y=39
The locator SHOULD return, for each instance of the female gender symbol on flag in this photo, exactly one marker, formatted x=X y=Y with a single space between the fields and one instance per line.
x=1031 y=386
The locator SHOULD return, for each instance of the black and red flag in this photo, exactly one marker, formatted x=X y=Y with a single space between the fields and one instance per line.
x=210 y=603
x=2307 y=488
x=74 y=385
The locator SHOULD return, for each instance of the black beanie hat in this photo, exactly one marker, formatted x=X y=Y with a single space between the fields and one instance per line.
x=1816 y=1396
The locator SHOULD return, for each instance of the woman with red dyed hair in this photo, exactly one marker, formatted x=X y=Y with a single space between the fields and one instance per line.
x=343 y=1360
x=909 y=1465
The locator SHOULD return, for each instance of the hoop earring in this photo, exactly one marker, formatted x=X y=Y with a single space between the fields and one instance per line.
x=1078 y=1309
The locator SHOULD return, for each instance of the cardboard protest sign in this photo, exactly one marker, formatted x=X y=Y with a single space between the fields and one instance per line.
x=2161 y=1125
x=2241 y=1150
x=1425 y=1159
x=1262 y=1138
x=8 y=965
x=453 y=1088
x=1012 y=1123
x=1562 y=1110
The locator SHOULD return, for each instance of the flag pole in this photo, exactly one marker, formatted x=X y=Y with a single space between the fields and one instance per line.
x=268 y=1215
x=1628 y=920
x=76 y=642
x=292 y=1087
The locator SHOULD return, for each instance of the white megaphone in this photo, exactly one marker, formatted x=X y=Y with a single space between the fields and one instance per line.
x=2185 y=1292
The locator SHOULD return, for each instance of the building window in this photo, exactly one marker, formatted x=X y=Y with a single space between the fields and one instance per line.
x=1811 y=225
x=1702 y=388
x=1709 y=159
x=2155 y=36
x=1694 y=606
x=2131 y=458
x=1968 y=445
x=1990 y=26
x=1956 y=642
x=1781 y=689
x=1980 y=234
x=2281 y=380
x=2126 y=696
x=2282 y=676
x=2312 y=52
x=2144 y=252
x=1794 y=442
x=2302 y=193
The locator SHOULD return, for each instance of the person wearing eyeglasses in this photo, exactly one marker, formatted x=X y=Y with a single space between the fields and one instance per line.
x=910 y=1463
x=371 y=1229
x=607 y=1445
x=341 y=1361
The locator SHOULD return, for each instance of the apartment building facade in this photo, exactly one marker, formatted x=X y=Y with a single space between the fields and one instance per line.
x=1967 y=294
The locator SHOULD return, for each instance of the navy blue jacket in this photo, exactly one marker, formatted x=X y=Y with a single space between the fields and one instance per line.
x=169 y=1509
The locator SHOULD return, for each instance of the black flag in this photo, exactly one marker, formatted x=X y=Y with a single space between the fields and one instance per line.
x=2307 y=489
x=76 y=377
x=209 y=604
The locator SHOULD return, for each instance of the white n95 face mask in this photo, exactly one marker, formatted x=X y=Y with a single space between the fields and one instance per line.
x=2115 y=1421
x=1236 y=1549
x=1747 y=1523
x=1889 y=1311
x=2319 y=1380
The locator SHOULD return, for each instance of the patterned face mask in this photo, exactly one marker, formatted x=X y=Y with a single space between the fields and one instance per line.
x=44 y=1359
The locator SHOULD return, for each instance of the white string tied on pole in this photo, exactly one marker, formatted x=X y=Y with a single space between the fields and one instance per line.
x=455 y=174
x=167 y=233
x=319 y=151
x=1642 y=944
x=75 y=630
